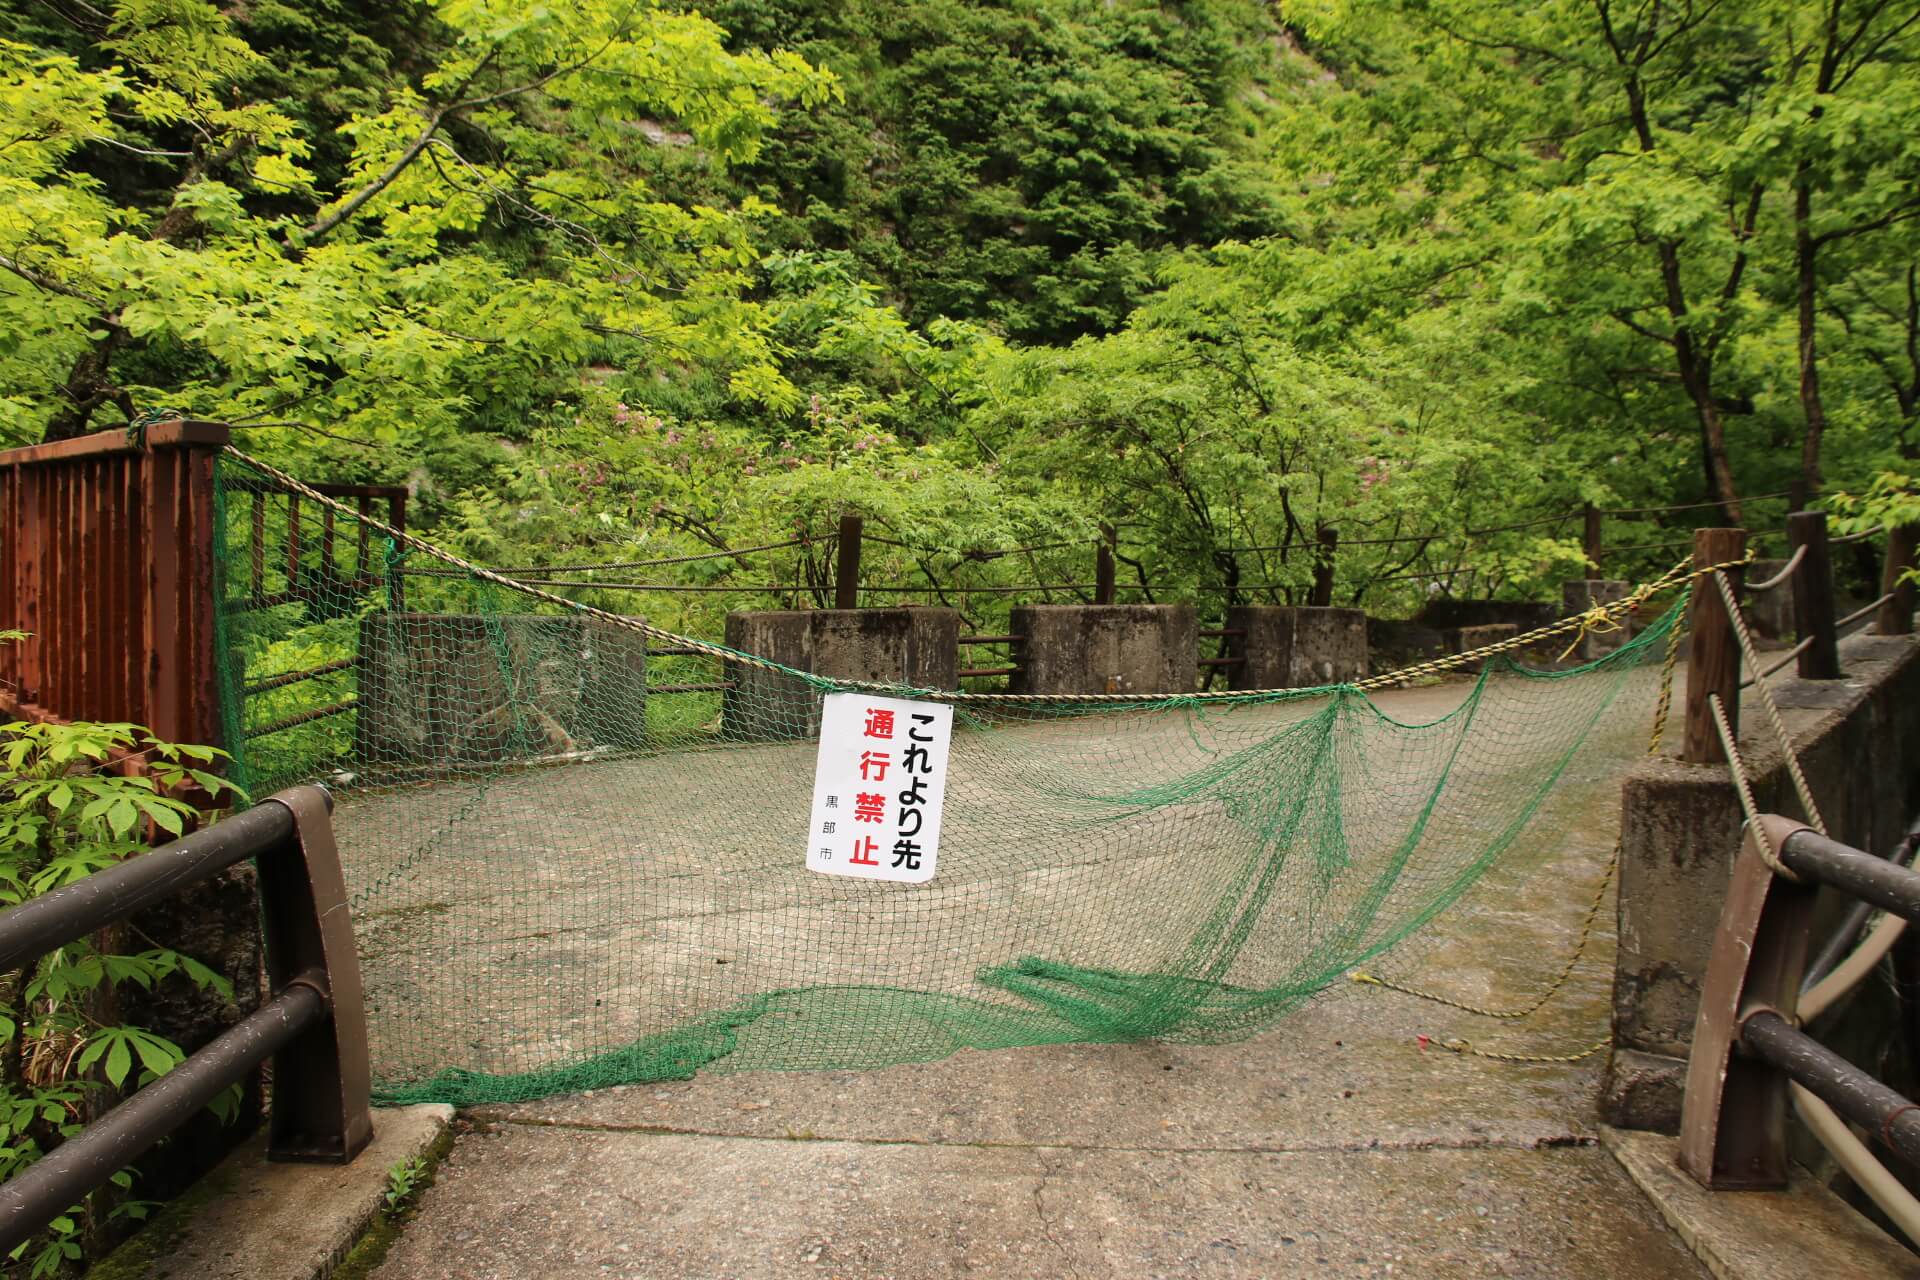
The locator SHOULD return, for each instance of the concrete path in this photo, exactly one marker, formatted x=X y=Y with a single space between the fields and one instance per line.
x=1334 y=1145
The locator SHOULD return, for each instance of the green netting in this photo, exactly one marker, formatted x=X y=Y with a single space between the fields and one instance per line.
x=565 y=875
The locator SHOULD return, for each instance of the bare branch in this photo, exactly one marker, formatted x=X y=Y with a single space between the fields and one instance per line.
x=40 y=280
x=354 y=203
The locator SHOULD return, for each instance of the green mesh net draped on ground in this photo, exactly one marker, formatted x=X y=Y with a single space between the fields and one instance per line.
x=565 y=875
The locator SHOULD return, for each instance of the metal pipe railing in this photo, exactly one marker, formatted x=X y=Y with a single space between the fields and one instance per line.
x=1875 y=881
x=313 y=1027
x=54 y=919
x=1747 y=1046
x=1855 y=922
x=54 y=1183
x=1835 y=1081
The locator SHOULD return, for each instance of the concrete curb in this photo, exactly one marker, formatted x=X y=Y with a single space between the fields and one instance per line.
x=1805 y=1230
x=251 y=1220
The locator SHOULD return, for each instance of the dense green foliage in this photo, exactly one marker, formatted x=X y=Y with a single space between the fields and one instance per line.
x=616 y=280
x=65 y=1050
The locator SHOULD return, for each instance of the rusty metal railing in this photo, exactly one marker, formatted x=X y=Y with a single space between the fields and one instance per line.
x=313 y=1025
x=106 y=561
x=1748 y=1047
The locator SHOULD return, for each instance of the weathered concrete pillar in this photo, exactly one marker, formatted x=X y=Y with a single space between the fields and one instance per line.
x=1770 y=612
x=468 y=689
x=1120 y=648
x=1296 y=648
x=916 y=647
x=1583 y=594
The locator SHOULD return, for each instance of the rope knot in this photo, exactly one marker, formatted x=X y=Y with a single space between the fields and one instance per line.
x=1596 y=620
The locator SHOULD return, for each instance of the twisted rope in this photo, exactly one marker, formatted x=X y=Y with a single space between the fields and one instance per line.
x=1772 y=708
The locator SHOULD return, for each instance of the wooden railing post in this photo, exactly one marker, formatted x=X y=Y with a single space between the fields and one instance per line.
x=1329 y=543
x=846 y=586
x=1103 y=574
x=1813 y=613
x=1713 y=653
x=1895 y=617
x=1590 y=538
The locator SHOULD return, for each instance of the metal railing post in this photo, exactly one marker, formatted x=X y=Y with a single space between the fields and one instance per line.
x=1713 y=651
x=1813 y=611
x=1895 y=617
x=322 y=1081
x=846 y=581
x=1747 y=1045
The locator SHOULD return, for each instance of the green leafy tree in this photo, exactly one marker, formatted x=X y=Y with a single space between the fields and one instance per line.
x=489 y=228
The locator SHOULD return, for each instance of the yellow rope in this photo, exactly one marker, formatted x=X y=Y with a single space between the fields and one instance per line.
x=1467 y=1048
x=1592 y=621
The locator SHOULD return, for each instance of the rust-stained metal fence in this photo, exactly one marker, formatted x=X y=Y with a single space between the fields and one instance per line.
x=106 y=562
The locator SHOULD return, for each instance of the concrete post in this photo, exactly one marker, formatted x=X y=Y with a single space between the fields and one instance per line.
x=918 y=648
x=1295 y=648
x=1467 y=639
x=1126 y=648
x=1770 y=613
x=467 y=689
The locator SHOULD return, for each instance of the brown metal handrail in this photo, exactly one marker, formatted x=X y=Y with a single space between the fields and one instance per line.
x=313 y=1027
x=1747 y=1045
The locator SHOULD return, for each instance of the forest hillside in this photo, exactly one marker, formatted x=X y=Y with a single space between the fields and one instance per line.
x=612 y=279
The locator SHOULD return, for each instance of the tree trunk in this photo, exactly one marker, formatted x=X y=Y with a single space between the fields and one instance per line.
x=1808 y=485
x=88 y=386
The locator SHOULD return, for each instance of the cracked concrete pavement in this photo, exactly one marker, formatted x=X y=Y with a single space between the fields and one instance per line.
x=1338 y=1143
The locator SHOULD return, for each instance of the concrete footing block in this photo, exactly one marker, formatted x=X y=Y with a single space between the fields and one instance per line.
x=1804 y=1230
x=473 y=688
x=1119 y=648
x=1467 y=639
x=1643 y=1090
x=1297 y=648
x=251 y=1220
x=918 y=648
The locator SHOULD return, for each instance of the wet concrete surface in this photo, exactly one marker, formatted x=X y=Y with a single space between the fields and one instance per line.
x=1344 y=1141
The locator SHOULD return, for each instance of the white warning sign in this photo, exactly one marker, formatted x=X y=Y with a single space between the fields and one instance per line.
x=878 y=787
